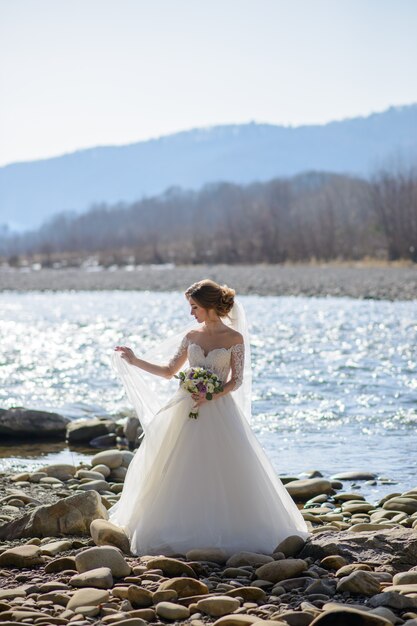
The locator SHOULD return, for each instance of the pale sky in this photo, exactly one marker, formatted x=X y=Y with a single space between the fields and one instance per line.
x=80 y=73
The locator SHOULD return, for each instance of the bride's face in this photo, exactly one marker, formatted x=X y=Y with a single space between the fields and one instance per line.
x=197 y=311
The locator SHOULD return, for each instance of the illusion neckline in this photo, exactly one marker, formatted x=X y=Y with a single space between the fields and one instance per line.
x=193 y=343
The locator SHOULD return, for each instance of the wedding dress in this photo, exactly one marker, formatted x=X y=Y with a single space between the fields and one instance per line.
x=205 y=482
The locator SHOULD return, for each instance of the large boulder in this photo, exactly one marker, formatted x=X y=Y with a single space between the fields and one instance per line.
x=69 y=516
x=21 y=422
x=85 y=429
x=395 y=549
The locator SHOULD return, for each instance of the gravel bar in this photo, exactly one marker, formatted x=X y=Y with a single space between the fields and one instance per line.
x=370 y=282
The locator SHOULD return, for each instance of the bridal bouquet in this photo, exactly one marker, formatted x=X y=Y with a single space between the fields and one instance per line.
x=201 y=381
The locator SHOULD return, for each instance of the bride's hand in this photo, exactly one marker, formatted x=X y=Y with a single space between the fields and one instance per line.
x=199 y=398
x=127 y=354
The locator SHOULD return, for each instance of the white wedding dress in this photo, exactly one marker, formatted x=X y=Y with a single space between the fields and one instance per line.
x=205 y=482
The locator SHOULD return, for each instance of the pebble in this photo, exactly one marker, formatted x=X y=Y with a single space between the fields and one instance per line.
x=102 y=556
x=184 y=586
x=171 y=567
x=218 y=605
x=171 y=611
x=290 y=546
x=355 y=476
x=300 y=582
x=280 y=570
x=359 y=582
x=248 y=558
x=139 y=597
x=302 y=490
x=55 y=547
x=87 y=597
x=104 y=533
x=101 y=577
x=21 y=556
x=111 y=458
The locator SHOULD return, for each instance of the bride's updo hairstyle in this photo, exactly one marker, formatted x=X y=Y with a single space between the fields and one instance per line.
x=211 y=295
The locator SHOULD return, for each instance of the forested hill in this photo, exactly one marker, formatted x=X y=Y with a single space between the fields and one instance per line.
x=310 y=216
x=32 y=192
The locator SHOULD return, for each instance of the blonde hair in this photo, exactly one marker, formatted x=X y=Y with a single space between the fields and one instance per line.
x=211 y=295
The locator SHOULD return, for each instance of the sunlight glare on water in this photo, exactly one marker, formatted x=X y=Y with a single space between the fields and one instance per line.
x=334 y=379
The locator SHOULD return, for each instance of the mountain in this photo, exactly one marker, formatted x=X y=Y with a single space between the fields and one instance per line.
x=32 y=192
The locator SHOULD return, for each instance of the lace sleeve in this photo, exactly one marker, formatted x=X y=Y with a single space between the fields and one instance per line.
x=237 y=364
x=178 y=358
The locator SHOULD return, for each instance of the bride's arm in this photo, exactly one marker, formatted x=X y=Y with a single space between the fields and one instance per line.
x=236 y=365
x=166 y=371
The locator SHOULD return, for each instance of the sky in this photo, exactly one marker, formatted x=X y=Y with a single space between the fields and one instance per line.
x=80 y=73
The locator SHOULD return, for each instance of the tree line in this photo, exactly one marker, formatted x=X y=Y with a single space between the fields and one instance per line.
x=310 y=216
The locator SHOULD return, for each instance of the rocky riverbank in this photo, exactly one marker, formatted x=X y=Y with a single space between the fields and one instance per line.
x=62 y=562
x=383 y=281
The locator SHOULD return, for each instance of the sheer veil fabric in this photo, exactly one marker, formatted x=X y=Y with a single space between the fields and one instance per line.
x=204 y=483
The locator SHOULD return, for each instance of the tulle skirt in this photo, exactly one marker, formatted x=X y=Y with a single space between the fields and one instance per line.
x=203 y=483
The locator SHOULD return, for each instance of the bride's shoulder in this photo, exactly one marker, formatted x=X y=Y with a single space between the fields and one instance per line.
x=235 y=336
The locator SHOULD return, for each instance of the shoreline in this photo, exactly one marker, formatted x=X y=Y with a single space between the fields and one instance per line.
x=363 y=281
x=61 y=568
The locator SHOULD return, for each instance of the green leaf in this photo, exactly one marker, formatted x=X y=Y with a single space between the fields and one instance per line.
x=209 y=396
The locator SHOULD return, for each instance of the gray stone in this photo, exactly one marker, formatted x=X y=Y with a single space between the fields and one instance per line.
x=85 y=429
x=21 y=556
x=63 y=471
x=55 y=547
x=184 y=586
x=94 y=485
x=296 y=618
x=249 y=594
x=248 y=558
x=394 y=600
x=405 y=578
x=346 y=616
x=302 y=490
x=104 y=533
x=101 y=577
x=355 y=476
x=69 y=516
x=140 y=597
x=102 y=469
x=87 y=597
x=280 y=570
x=102 y=556
x=171 y=567
x=394 y=548
x=291 y=545
x=171 y=611
x=20 y=422
x=218 y=606
x=359 y=582
x=111 y=458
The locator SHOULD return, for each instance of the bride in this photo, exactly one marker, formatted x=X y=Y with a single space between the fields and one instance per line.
x=206 y=482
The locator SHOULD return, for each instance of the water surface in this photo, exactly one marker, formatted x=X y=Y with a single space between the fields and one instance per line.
x=334 y=379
